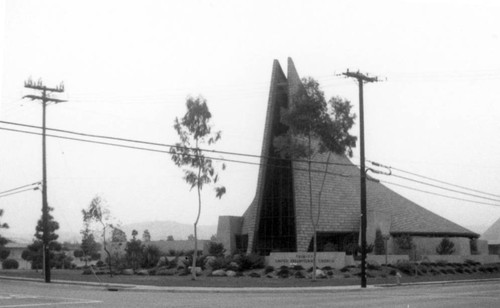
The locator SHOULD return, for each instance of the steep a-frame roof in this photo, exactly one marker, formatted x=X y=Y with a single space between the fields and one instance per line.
x=492 y=235
x=340 y=202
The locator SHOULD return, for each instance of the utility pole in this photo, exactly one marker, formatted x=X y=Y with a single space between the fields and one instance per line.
x=45 y=99
x=361 y=78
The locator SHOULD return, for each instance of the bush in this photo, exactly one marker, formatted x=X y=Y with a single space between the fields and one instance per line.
x=268 y=269
x=78 y=253
x=406 y=267
x=250 y=261
x=151 y=256
x=10 y=264
x=254 y=275
x=220 y=263
x=216 y=249
x=445 y=247
x=298 y=267
x=379 y=248
x=299 y=275
x=283 y=273
x=344 y=269
x=100 y=263
x=404 y=241
x=4 y=253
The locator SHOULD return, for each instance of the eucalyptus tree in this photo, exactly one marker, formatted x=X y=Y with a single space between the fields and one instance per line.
x=315 y=126
x=195 y=131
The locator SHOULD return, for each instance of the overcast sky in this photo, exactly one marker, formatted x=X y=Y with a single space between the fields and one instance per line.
x=128 y=67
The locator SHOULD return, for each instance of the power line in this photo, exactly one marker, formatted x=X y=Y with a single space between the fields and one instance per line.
x=436 y=180
x=18 y=192
x=437 y=194
x=444 y=188
x=168 y=152
x=170 y=145
x=17 y=188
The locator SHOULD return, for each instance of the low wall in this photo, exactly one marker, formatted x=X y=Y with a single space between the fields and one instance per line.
x=483 y=259
x=391 y=259
x=305 y=259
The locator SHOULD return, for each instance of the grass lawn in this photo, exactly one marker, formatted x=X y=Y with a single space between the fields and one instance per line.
x=242 y=282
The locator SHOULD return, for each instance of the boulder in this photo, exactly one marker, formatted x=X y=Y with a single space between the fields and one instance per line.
x=231 y=273
x=128 y=271
x=234 y=266
x=320 y=274
x=142 y=272
x=198 y=270
x=219 y=273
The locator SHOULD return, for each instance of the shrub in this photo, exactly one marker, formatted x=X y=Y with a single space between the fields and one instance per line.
x=220 y=263
x=283 y=273
x=250 y=261
x=473 y=247
x=298 y=267
x=327 y=268
x=344 y=269
x=404 y=241
x=151 y=256
x=445 y=247
x=254 y=275
x=216 y=249
x=373 y=266
x=299 y=275
x=78 y=253
x=441 y=262
x=379 y=248
x=268 y=269
x=10 y=264
x=4 y=253
x=406 y=267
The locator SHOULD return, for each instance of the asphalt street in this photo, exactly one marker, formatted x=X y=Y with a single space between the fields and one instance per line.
x=35 y=294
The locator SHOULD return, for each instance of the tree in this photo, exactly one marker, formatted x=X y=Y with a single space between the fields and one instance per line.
x=88 y=246
x=118 y=236
x=151 y=256
x=379 y=246
x=98 y=213
x=190 y=237
x=34 y=253
x=445 y=247
x=315 y=127
x=3 y=240
x=170 y=238
x=134 y=250
x=194 y=130
x=4 y=252
x=146 y=236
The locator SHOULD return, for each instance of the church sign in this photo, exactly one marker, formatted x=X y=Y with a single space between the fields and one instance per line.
x=305 y=259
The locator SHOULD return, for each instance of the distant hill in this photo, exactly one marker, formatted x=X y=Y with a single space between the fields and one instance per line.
x=159 y=230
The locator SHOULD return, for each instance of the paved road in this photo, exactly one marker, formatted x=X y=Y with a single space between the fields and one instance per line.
x=31 y=294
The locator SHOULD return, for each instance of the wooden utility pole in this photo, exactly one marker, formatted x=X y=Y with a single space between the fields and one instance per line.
x=45 y=99
x=361 y=78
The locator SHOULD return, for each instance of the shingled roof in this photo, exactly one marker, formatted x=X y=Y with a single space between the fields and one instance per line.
x=340 y=204
x=492 y=235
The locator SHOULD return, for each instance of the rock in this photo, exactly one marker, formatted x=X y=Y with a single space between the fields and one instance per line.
x=209 y=261
x=198 y=270
x=219 y=273
x=128 y=271
x=320 y=274
x=234 y=266
x=142 y=272
x=231 y=273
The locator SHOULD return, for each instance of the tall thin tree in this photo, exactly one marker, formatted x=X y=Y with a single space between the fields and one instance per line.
x=315 y=127
x=194 y=130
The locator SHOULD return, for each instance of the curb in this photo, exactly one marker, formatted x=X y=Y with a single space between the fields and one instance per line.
x=324 y=289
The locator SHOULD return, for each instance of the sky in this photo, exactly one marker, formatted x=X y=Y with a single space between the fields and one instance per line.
x=128 y=67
